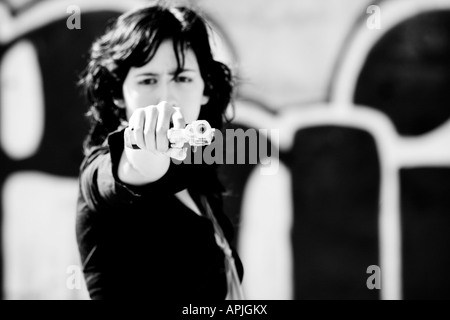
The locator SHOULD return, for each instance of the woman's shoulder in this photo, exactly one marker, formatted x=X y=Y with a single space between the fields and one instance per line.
x=92 y=153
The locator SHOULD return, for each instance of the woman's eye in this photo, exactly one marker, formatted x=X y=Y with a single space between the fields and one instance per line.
x=183 y=79
x=148 y=81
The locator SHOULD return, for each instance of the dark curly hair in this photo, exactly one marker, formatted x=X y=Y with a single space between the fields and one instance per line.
x=132 y=40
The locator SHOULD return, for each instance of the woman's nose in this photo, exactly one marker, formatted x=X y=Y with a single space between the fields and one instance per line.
x=167 y=92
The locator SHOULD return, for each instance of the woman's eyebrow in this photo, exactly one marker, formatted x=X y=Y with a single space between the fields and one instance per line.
x=172 y=73
x=148 y=74
x=175 y=72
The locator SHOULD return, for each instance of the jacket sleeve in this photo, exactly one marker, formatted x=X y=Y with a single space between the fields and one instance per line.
x=100 y=191
x=98 y=180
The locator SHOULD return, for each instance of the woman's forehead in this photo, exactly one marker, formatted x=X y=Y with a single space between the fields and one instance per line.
x=165 y=60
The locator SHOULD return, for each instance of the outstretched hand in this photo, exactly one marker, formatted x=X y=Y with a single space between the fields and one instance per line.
x=148 y=128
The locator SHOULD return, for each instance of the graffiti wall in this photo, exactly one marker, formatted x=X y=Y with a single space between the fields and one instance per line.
x=356 y=205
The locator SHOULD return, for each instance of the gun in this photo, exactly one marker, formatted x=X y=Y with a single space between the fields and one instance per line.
x=198 y=133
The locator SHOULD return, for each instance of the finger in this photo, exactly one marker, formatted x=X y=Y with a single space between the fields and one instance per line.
x=178 y=122
x=151 y=118
x=129 y=139
x=165 y=112
x=137 y=128
x=129 y=136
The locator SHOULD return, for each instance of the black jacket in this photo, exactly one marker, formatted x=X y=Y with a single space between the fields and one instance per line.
x=142 y=242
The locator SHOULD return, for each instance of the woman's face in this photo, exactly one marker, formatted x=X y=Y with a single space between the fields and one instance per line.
x=156 y=82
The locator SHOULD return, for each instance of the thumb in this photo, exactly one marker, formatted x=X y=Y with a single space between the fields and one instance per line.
x=177 y=153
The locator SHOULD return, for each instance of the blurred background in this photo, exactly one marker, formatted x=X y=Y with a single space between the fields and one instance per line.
x=358 y=92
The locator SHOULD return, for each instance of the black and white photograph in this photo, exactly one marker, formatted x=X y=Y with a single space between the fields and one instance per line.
x=230 y=151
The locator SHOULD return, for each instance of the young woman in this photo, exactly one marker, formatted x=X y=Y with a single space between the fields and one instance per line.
x=147 y=227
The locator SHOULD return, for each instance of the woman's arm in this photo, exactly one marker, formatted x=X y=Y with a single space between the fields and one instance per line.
x=139 y=167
